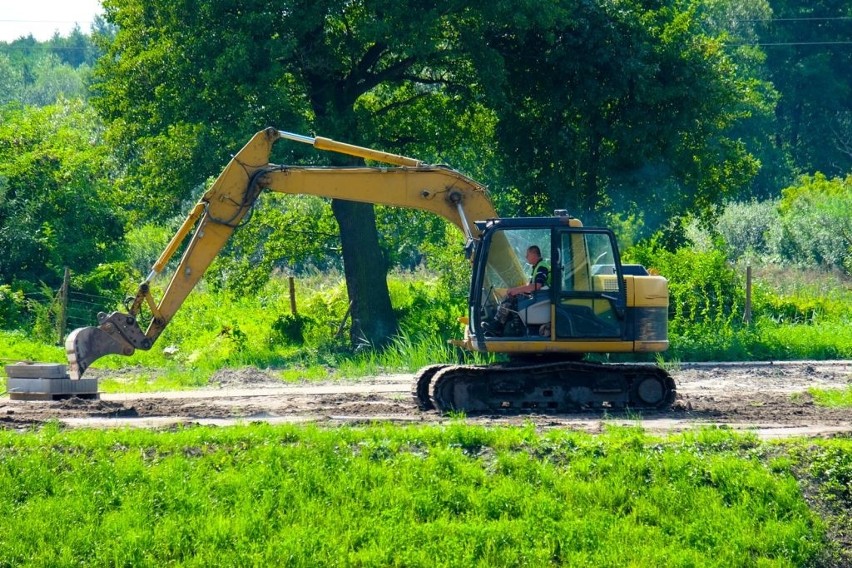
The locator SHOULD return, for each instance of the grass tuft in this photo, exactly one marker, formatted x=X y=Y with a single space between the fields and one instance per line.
x=832 y=398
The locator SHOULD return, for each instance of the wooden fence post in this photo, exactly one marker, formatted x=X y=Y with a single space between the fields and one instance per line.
x=292 y=282
x=747 y=314
x=63 y=307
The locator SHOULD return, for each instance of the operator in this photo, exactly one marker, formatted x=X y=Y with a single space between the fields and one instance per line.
x=539 y=277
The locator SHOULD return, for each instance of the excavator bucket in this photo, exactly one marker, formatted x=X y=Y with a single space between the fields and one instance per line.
x=87 y=344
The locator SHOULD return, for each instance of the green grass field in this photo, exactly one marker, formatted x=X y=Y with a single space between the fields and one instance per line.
x=409 y=496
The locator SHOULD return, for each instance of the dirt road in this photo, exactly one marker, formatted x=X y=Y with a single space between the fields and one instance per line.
x=768 y=398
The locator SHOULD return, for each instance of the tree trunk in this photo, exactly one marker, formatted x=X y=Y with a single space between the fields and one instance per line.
x=373 y=320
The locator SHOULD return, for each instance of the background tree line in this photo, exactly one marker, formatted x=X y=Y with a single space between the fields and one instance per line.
x=639 y=115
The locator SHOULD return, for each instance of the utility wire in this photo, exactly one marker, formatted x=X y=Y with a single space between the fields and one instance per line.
x=811 y=19
x=783 y=43
x=43 y=48
x=41 y=21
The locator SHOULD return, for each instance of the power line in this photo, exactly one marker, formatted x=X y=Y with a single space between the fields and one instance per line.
x=807 y=43
x=788 y=43
x=40 y=21
x=44 y=48
x=811 y=19
x=794 y=43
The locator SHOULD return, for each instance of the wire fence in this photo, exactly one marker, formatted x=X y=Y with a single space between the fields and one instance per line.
x=66 y=309
x=83 y=308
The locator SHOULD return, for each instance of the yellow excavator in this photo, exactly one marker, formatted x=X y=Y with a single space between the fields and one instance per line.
x=591 y=303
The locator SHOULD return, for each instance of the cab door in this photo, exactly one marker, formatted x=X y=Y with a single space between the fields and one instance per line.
x=590 y=291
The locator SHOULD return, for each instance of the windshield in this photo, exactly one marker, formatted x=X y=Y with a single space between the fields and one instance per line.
x=506 y=266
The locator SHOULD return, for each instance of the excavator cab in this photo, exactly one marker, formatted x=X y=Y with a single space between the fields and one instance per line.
x=584 y=307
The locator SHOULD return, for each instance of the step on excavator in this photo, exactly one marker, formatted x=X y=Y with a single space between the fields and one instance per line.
x=590 y=303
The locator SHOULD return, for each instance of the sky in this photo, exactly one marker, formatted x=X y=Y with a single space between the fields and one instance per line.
x=42 y=18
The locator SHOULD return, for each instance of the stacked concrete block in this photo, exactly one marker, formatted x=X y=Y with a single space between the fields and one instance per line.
x=46 y=381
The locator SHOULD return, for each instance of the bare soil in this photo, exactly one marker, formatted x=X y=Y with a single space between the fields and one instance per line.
x=770 y=399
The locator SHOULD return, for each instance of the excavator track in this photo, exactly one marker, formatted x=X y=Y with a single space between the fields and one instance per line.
x=420 y=385
x=548 y=387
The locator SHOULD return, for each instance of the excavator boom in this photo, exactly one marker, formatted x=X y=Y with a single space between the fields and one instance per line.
x=409 y=183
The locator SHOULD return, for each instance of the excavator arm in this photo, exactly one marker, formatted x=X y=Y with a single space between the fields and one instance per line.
x=409 y=183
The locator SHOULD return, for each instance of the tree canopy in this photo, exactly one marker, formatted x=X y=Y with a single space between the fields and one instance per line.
x=808 y=57
x=37 y=73
x=182 y=82
x=619 y=107
x=56 y=207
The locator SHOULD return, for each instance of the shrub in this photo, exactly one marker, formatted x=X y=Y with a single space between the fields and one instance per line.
x=289 y=328
x=746 y=228
x=706 y=300
x=111 y=279
x=426 y=306
x=703 y=287
x=12 y=306
x=327 y=306
x=55 y=181
x=43 y=326
x=816 y=223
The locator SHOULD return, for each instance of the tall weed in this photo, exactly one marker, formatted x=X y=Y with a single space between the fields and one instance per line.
x=409 y=353
x=12 y=307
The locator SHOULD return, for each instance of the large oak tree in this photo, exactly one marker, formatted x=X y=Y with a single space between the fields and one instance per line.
x=185 y=81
